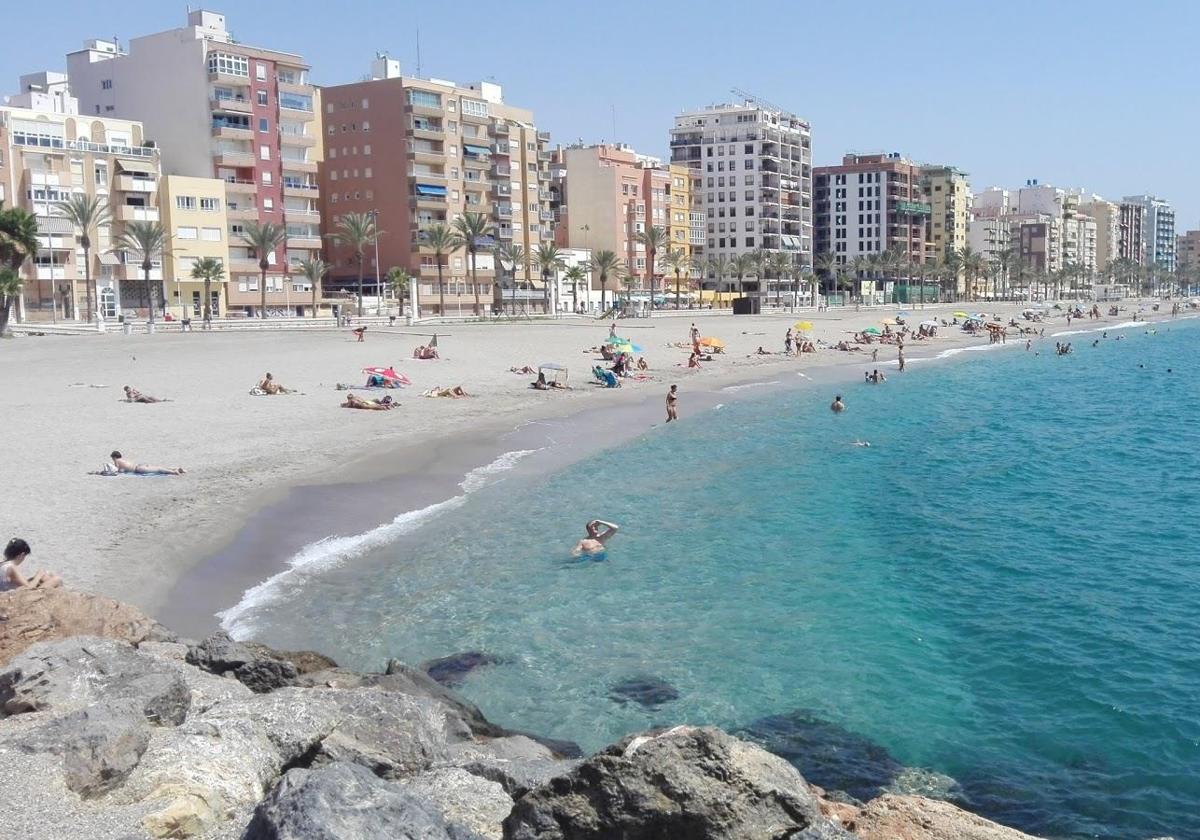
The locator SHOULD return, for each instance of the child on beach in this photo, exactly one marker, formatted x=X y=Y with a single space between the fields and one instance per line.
x=10 y=577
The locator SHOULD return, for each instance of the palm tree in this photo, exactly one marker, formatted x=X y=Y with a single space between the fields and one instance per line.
x=400 y=281
x=264 y=238
x=827 y=264
x=514 y=254
x=210 y=270
x=314 y=270
x=85 y=213
x=145 y=239
x=740 y=266
x=471 y=228
x=18 y=242
x=952 y=264
x=1005 y=260
x=444 y=242
x=718 y=265
x=575 y=275
x=548 y=259
x=606 y=264
x=779 y=264
x=654 y=238
x=679 y=262
x=357 y=232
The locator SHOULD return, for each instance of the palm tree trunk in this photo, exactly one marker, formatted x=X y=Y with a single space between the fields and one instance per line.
x=314 y=299
x=87 y=278
x=475 y=281
x=360 y=286
x=262 y=292
x=441 y=290
x=207 y=301
x=603 y=283
x=149 y=291
x=677 y=290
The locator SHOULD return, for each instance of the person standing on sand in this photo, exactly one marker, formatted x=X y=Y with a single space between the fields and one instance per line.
x=694 y=337
x=838 y=406
x=673 y=403
x=788 y=342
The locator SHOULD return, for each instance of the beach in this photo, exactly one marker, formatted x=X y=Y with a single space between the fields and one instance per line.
x=134 y=537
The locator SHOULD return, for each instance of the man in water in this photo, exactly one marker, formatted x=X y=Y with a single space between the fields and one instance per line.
x=900 y=357
x=838 y=406
x=672 y=403
x=596 y=539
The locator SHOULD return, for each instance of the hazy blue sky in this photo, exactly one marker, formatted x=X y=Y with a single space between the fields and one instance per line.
x=1101 y=95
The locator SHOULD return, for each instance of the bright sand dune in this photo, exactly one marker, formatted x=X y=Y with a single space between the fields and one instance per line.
x=131 y=537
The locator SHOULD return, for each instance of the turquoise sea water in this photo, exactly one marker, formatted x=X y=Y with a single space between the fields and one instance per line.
x=1003 y=588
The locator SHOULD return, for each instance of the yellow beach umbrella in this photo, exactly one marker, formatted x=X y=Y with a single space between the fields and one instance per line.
x=891 y=322
x=961 y=315
x=803 y=326
x=712 y=342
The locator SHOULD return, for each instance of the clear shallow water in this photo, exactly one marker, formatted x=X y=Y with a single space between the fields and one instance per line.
x=1003 y=588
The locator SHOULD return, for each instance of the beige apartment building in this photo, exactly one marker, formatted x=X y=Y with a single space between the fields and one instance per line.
x=1107 y=216
x=49 y=151
x=949 y=194
x=1187 y=250
x=417 y=152
x=193 y=215
x=222 y=109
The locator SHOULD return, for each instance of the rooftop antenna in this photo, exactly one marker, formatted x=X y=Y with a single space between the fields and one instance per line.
x=418 y=52
x=757 y=100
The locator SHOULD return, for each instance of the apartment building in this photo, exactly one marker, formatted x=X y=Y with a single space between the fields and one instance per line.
x=193 y=215
x=871 y=204
x=49 y=151
x=685 y=224
x=751 y=167
x=1132 y=243
x=1047 y=226
x=1158 y=229
x=1107 y=217
x=418 y=152
x=609 y=194
x=948 y=192
x=1187 y=249
x=221 y=108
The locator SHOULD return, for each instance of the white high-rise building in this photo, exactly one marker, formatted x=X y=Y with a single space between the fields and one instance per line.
x=1158 y=230
x=751 y=166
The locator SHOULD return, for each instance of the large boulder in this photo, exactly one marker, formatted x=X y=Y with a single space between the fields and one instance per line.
x=77 y=673
x=346 y=802
x=517 y=763
x=99 y=746
x=464 y=799
x=258 y=667
x=686 y=783
x=917 y=818
x=451 y=671
x=28 y=616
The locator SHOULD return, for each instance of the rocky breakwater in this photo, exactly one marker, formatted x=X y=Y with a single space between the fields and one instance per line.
x=153 y=736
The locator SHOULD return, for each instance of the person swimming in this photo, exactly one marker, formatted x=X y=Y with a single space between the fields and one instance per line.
x=594 y=543
x=866 y=444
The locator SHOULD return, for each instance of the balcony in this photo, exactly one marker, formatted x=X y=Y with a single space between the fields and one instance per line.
x=229 y=131
x=501 y=189
x=476 y=161
x=240 y=187
x=133 y=271
x=136 y=183
x=504 y=211
x=501 y=149
x=224 y=78
x=546 y=195
x=304 y=141
x=303 y=242
x=502 y=171
x=543 y=174
x=500 y=127
x=133 y=213
x=300 y=190
x=544 y=155
x=293 y=165
x=301 y=88
x=242 y=214
x=546 y=215
x=224 y=157
x=234 y=105
x=311 y=216
x=423 y=109
x=543 y=136
x=292 y=104
x=243 y=265
x=504 y=233
x=428 y=130
x=547 y=234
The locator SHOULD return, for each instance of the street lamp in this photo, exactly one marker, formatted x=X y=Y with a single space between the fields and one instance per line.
x=374 y=214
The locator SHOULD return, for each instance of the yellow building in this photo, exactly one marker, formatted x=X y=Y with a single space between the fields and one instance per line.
x=679 y=208
x=949 y=193
x=193 y=215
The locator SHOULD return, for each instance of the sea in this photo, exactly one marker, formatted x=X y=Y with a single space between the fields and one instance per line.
x=995 y=602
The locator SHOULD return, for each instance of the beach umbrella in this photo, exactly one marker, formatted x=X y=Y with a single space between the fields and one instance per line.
x=871 y=331
x=712 y=342
x=961 y=315
x=389 y=374
x=891 y=322
x=433 y=341
x=803 y=326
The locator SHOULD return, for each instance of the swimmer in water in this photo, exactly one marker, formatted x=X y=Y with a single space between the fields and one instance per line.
x=596 y=539
x=863 y=443
x=837 y=407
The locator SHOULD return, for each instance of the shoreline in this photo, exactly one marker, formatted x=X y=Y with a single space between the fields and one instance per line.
x=139 y=538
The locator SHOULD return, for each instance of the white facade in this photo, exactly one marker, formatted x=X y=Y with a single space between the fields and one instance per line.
x=751 y=175
x=1158 y=230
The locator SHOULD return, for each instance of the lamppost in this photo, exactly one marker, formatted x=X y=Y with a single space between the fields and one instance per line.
x=374 y=214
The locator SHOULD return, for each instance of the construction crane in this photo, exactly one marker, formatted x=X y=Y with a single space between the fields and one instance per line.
x=757 y=100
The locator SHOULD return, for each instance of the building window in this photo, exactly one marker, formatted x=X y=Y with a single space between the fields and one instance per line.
x=210 y=204
x=106 y=84
x=210 y=234
x=262 y=97
x=268 y=203
x=266 y=177
x=474 y=108
x=230 y=65
x=366 y=126
x=264 y=152
x=260 y=71
x=185 y=233
x=424 y=98
x=264 y=125
x=185 y=202
x=295 y=102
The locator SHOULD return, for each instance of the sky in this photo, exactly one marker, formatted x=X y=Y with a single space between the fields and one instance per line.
x=1098 y=95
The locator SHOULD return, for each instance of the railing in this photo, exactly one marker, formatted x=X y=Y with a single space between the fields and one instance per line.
x=295 y=186
x=84 y=146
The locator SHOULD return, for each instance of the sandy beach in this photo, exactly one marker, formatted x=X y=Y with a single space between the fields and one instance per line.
x=134 y=537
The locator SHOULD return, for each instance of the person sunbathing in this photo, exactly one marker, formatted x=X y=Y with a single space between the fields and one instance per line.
x=540 y=383
x=353 y=401
x=454 y=393
x=15 y=553
x=125 y=466
x=526 y=369
x=268 y=385
x=133 y=395
x=425 y=352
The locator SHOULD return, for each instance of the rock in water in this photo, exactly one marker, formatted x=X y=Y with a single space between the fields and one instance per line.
x=346 y=802
x=42 y=615
x=450 y=671
x=650 y=692
x=686 y=783
x=916 y=818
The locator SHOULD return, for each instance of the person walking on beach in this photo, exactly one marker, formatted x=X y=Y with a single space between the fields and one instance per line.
x=838 y=406
x=673 y=403
x=694 y=336
x=788 y=342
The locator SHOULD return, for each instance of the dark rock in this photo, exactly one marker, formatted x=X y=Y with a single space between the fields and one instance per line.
x=76 y=673
x=346 y=802
x=827 y=754
x=263 y=675
x=451 y=671
x=685 y=784
x=650 y=692
x=28 y=616
x=258 y=667
x=99 y=746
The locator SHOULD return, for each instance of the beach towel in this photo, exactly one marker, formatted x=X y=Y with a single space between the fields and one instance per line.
x=610 y=380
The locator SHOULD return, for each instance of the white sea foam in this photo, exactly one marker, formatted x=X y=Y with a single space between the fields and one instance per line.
x=750 y=385
x=332 y=552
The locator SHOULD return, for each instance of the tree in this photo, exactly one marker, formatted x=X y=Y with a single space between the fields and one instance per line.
x=85 y=213
x=548 y=259
x=514 y=254
x=314 y=270
x=264 y=238
x=210 y=270
x=828 y=265
x=471 y=228
x=952 y=264
x=1005 y=260
x=698 y=265
x=679 y=262
x=718 y=266
x=779 y=264
x=18 y=242
x=654 y=238
x=357 y=232
x=145 y=239
x=607 y=265
x=443 y=241
x=575 y=275
x=740 y=266
x=400 y=281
